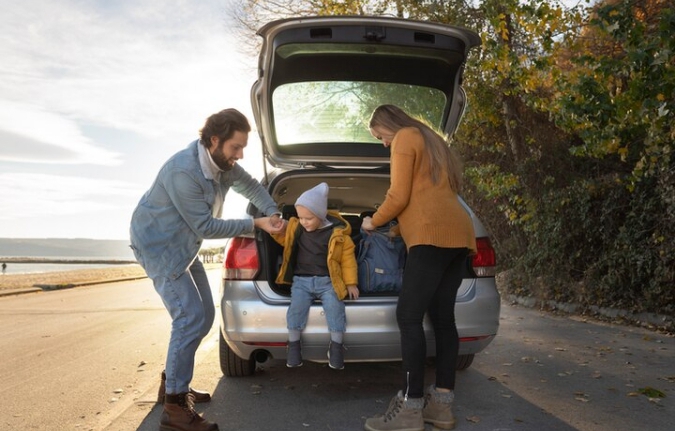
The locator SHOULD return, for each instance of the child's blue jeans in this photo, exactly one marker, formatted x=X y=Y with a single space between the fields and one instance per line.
x=303 y=292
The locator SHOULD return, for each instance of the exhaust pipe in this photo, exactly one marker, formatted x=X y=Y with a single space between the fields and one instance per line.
x=261 y=356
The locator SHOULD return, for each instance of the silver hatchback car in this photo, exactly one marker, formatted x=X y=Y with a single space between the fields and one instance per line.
x=319 y=80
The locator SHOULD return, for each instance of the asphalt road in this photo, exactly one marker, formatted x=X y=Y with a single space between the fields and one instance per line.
x=89 y=359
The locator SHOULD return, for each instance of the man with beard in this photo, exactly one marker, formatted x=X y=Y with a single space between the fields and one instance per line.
x=181 y=209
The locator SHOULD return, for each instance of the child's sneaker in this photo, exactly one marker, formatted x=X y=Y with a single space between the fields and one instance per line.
x=336 y=356
x=294 y=354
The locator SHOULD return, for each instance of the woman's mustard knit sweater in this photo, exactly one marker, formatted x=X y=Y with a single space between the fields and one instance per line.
x=427 y=213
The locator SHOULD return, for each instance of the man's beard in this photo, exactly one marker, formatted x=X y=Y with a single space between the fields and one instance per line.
x=221 y=160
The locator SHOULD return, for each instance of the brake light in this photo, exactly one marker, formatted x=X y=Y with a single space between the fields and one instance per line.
x=484 y=261
x=241 y=259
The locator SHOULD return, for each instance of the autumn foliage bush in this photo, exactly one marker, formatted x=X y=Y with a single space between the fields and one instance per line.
x=581 y=201
x=567 y=141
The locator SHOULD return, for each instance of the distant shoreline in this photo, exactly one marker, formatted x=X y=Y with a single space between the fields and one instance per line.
x=65 y=260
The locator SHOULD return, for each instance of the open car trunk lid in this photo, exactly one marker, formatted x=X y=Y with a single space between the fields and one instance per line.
x=319 y=78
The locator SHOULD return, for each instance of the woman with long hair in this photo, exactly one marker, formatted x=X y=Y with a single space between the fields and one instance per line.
x=426 y=176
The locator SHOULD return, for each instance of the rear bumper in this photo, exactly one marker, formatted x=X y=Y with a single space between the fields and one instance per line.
x=252 y=322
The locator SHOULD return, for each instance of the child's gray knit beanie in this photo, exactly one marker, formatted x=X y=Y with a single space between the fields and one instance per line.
x=315 y=200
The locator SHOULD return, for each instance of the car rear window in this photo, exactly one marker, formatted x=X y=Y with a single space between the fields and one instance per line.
x=338 y=111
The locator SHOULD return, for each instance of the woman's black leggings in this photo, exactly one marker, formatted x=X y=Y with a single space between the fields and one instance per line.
x=431 y=279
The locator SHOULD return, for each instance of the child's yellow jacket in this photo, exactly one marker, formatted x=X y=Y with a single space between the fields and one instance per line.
x=341 y=258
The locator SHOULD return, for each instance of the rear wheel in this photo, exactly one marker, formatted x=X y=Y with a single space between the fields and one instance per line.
x=232 y=365
x=464 y=361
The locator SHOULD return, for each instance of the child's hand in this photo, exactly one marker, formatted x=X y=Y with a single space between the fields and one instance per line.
x=353 y=291
x=270 y=226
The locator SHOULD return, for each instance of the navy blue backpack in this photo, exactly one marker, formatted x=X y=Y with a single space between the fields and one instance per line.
x=380 y=260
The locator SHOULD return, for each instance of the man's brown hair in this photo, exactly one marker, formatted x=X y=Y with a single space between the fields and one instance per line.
x=223 y=124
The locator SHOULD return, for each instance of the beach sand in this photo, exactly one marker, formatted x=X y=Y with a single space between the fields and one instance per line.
x=75 y=277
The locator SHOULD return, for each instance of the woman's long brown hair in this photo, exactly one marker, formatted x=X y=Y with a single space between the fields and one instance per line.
x=443 y=159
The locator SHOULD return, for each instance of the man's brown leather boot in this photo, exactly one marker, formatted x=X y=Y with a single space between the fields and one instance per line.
x=179 y=415
x=199 y=396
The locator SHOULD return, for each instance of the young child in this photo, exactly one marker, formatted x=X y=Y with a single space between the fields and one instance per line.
x=319 y=263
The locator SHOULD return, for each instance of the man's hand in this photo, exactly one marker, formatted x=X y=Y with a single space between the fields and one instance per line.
x=272 y=225
x=276 y=220
x=353 y=291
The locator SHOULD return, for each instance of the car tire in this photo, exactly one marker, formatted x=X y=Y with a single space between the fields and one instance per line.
x=232 y=365
x=464 y=361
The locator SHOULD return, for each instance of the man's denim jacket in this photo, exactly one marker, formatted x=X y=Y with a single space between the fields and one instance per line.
x=175 y=215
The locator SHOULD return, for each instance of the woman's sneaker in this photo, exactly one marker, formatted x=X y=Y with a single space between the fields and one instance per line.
x=294 y=354
x=336 y=355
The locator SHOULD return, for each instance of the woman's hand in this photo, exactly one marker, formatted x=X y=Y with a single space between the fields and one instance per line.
x=367 y=223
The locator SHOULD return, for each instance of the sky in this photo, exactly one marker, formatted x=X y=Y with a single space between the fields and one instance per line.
x=96 y=95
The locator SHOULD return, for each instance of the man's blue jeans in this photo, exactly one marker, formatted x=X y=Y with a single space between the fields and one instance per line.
x=189 y=301
x=303 y=292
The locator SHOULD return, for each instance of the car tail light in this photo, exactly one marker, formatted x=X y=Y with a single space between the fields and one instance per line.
x=484 y=261
x=241 y=259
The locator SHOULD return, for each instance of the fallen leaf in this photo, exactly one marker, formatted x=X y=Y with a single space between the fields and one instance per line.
x=580 y=396
x=651 y=392
x=473 y=419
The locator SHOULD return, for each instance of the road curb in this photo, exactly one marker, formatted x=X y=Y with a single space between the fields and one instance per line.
x=10 y=292
x=645 y=320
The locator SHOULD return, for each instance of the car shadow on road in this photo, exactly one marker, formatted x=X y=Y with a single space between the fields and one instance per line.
x=315 y=397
